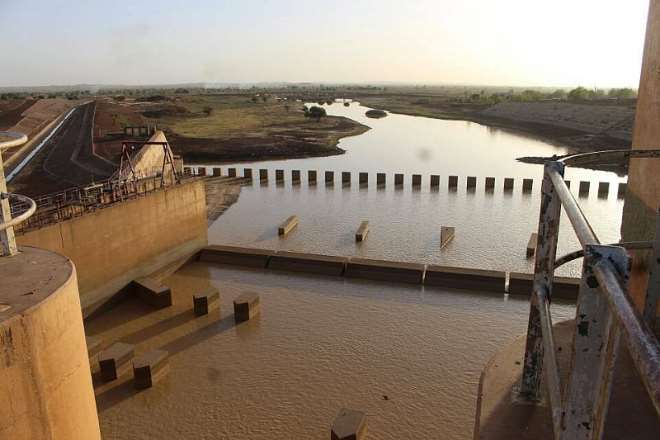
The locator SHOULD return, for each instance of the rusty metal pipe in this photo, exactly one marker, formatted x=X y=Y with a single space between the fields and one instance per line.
x=580 y=253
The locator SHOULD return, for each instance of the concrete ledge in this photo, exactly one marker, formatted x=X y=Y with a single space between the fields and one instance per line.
x=205 y=301
x=349 y=425
x=300 y=262
x=236 y=255
x=562 y=287
x=246 y=306
x=148 y=368
x=385 y=270
x=521 y=283
x=152 y=292
x=463 y=278
x=114 y=361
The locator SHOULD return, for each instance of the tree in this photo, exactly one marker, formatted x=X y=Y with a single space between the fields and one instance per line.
x=315 y=113
x=579 y=94
x=624 y=93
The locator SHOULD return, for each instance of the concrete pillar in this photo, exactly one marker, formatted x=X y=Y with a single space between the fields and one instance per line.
x=346 y=178
x=246 y=306
x=528 y=184
x=508 y=184
x=311 y=177
x=231 y=172
x=584 y=189
x=381 y=179
x=531 y=244
x=416 y=180
x=490 y=184
x=329 y=177
x=603 y=190
x=471 y=183
x=398 y=179
x=621 y=191
x=247 y=173
x=452 y=182
x=295 y=177
x=435 y=181
x=363 y=179
x=217 y=172
x=263 y=175
x=279 y=176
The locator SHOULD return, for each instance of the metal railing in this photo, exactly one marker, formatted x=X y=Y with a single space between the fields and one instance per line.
x=604 y=315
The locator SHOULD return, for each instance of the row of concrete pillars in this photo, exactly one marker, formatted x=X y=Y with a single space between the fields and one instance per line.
x=416 y=180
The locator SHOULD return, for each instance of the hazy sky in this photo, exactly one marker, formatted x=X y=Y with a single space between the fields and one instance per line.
x=496 y=42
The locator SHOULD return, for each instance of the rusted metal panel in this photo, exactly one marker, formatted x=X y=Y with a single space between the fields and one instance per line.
x=546 y=251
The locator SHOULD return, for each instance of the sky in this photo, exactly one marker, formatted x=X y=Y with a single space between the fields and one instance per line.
x=593 y=43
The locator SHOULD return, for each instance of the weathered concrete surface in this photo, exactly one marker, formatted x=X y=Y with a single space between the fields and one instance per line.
x=643 y=194
x=221 y=193
x=385 y=270
x=300 y=262
x=45 y=381
x=115 y=245
x=631 y=414
x=460 y=278
x=236 y=255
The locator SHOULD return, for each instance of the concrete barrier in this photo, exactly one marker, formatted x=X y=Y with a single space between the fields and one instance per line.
x=205 y=301
x=263 y=175
x=236 y=255
x=520 y=283
x=508 y=184
x=471 y=183
x=416 y=180
x=115 y=360
x=562 y=287
x=398 y=179
x=435 y=181
x=381 y=179
x=287 y=226
x=346 y=178
x=531 y=244
x=446 y=235
x=247 y=173
x=385 y=270
x=621 y=191
x=149 y=368
x=362 y=231
x=349 y=425
x=311 y=177
x=527 y=185
x=295 y=177
x=279 y=176
x=452 y=182
x=584 y=189
x=489 y=184
x=363 y=179
x=246 y=306
x=603 y=190
x=231 y=172
x=300 y=262
x=217 y=172
x=463 y=278
x=329 y=178
x=152 y=292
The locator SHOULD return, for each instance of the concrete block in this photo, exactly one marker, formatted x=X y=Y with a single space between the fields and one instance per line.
x=363 y=179
x=452 y=182
x=115 y=360
x=152 y=292
x=247 y=173
x=528 y=185
x=201 y=171
x=263 y=175
x=398 y=179
x=231 y=172
x=416 y=180
x=385 y=270
x=300 y=262
x=349 y=425
x=206 y=301
x=149 y=368
x=279 y=176
x=346 y=178
x=329 y=178
x=508 y=184
x=463 y=278
x=435 y=181
x=246 y=306
x=531 y=244
x=295 y=176
x=381 y=179
x=446 y=235
x=217 y=172
x=583 y=190
x=521 y=283
x=471 y=182
x=490 y=184
x=603 y=190
x=236 y=256
x=311 y=177
x=362 y=231
x=287 y=225
x=94 y=346
x=621 y=191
